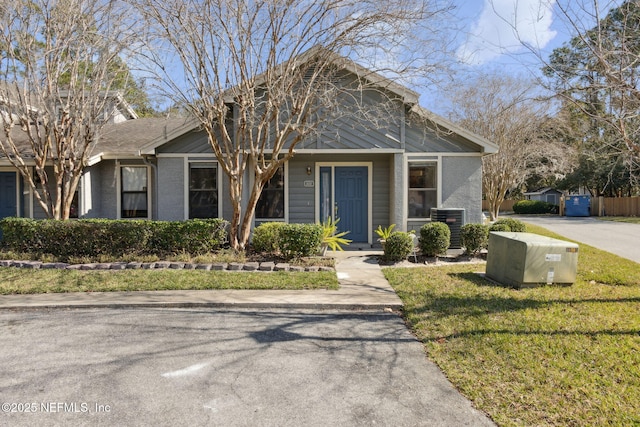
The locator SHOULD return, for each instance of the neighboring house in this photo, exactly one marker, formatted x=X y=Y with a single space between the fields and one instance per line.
x=361 y=173
x=549 y=195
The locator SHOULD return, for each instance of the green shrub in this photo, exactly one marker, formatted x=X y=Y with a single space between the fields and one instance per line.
x=398 y=246
x=511 y=224
x=300 y=240
x=523 y=207
x=96 y=237
x=266 y=237
x=499 y=227
x=19 y=234
x=474 y=237
x=435 y=238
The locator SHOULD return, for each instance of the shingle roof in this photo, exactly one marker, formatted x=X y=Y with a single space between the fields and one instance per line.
x=116 y=139
x=128 y=137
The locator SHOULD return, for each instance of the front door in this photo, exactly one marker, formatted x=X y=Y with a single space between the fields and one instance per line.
x=7 y=195
x=347 y=199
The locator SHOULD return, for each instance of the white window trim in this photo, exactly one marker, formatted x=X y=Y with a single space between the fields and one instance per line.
x=119 y=167
x=333 y=165
x=187 y=162
x=422 y=159
x=286 y=198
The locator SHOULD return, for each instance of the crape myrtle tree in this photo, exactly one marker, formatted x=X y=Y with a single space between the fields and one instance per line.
x=59 y=61
x=506 y=111
x=597 y=73
x=261 y=76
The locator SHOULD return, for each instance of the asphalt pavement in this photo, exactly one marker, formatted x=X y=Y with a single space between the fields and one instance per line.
x=622 y=239
x=220 y=367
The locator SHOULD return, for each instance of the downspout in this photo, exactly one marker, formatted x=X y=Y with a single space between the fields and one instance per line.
x=154 y=167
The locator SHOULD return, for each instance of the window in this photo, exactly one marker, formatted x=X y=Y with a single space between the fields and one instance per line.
x=134 y=202
x=74 y=209
x=271 y=202
x=203 y=190
x=423 y=189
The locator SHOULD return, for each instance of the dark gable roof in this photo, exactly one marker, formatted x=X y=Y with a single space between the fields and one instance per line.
x=116 y=139
x=127 y=138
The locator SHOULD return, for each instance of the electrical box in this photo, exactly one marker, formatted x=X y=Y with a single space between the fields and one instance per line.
x=528 y=260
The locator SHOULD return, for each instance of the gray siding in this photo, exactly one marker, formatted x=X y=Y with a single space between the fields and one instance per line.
x=421 y=138
x=462 y=186
x=302 y=203
x=93 y=207
x=192 y=142
x=170 y=190
x=109 y=194
x=363 y=126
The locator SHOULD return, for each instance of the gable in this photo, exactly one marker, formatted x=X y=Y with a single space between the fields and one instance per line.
x=371 y=112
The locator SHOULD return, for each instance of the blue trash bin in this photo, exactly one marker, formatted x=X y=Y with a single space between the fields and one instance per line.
x=577 y=206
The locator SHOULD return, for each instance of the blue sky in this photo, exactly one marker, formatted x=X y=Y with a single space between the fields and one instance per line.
x=497 y=29
x=493 y=33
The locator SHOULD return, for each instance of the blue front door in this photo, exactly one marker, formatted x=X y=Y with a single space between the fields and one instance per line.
x=7 y=195
x=352 y=202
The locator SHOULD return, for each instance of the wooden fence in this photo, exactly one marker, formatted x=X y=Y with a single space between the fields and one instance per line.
x=615 y=206
x=506 y=206
x=600 y=206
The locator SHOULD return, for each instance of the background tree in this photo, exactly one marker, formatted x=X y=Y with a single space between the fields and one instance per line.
x=597 y=73
x=260 y=77
x=505 y=110
x=60 y=62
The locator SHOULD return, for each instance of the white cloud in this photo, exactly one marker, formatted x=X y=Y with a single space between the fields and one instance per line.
x=504 y=26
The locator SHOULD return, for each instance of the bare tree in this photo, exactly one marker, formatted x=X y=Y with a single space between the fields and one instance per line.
x=259 y=77
x=59 y=61
x=504 y=110
x=597 y=73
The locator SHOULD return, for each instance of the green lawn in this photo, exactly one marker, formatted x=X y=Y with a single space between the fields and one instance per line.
x=25 y=281
x=566 y=356
x=629 y=219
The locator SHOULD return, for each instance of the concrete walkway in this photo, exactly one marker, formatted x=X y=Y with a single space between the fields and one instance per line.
x=362 y=287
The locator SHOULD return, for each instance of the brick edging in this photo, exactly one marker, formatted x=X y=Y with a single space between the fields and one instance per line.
x=164 y=265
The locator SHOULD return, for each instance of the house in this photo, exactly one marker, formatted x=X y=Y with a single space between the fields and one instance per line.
x=547 y=194
x=358 y=171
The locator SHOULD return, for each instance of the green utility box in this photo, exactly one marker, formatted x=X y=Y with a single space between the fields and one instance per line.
x=529 y=260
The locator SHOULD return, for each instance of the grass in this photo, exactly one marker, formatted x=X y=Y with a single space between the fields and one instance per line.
x=627 y=219
x=26 y=281
x=565 y=356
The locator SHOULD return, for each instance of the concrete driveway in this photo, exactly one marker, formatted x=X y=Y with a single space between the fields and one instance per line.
x=187 y=367
x=616 y=237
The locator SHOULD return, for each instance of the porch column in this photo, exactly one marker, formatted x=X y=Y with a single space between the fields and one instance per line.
x=398 y=202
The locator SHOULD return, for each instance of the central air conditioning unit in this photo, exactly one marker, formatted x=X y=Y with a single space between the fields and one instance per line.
x=529 y=260
x=454 y=218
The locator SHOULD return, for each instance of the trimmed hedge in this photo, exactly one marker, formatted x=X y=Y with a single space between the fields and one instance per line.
x=300 y=240
x=94 y=237
x=398 y=246
x=523 y=207
x=435 y=238
x=474 y=237
x=266 y=237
